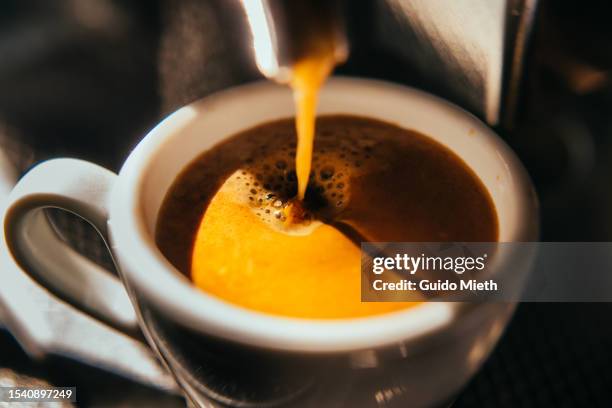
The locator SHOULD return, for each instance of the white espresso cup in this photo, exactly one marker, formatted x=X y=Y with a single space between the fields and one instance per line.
x=418 y=357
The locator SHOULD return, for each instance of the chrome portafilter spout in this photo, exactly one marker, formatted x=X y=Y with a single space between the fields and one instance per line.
x=285 y=31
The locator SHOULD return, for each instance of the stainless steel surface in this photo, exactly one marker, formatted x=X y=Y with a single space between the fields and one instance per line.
x=460 y=46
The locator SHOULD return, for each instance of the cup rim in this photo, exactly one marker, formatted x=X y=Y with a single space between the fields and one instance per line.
x=144 y=266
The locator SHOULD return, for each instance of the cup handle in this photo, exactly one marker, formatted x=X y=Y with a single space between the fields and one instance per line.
x=81 y=188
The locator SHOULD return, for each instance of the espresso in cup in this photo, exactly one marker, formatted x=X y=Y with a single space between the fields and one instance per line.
x=229 y=221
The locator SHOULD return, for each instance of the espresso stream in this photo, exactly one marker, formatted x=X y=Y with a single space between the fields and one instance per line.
x=308 y=76
x=223 y=222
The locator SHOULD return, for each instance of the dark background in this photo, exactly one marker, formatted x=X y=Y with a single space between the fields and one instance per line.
x=88 y=78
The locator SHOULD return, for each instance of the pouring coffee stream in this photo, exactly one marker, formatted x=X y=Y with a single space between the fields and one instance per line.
x=307 y=77
x=298 y=43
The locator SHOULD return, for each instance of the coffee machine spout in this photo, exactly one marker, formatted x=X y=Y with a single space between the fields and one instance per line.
x=283 y=31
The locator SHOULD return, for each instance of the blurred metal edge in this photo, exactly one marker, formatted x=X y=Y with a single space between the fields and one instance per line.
x=519 y=24
x=468 y=51
x=44 y=325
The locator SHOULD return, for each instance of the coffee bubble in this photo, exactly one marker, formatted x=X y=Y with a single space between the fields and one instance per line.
x=267 y=179
x=326 y=173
